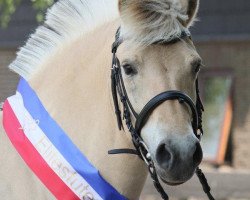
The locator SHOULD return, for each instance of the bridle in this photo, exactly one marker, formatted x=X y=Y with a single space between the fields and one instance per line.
x=118 y=89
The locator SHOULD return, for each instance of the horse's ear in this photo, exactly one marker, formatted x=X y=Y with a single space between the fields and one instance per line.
x=192 y=7
x=187 y=8
x=151 y=20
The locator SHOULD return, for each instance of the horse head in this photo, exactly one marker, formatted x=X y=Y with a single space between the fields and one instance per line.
x=157 y=55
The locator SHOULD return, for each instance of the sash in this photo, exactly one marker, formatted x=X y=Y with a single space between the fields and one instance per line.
x=49 y=152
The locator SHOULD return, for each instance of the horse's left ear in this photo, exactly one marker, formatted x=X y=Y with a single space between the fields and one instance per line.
x=192 y=7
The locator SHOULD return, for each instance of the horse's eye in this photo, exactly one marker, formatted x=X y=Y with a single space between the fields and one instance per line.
x=129 y=69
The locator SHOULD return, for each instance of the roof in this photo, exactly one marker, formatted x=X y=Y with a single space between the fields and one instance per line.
x=223 y=20
x=218 y=20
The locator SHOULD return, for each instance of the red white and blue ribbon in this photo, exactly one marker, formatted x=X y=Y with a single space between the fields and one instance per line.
x=49 y=152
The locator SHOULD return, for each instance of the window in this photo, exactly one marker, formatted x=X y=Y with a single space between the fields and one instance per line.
x=216 y=92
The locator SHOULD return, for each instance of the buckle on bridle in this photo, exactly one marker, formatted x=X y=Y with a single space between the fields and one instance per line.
x=145 y=156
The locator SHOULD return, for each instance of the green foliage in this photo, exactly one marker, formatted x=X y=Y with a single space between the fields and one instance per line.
x=8 y=8
x=41 y=6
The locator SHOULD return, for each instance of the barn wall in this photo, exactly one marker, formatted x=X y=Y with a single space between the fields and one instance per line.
x=22 y=23
x=223 y=19
x=8 y=79
x=234 y=56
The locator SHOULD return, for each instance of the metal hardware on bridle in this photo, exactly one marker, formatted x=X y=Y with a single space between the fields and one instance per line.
x=141 y=150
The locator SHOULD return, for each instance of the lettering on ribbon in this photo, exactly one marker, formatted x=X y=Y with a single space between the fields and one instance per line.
x=45 y=148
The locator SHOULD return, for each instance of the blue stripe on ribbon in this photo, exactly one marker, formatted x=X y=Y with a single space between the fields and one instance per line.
x=64 y=144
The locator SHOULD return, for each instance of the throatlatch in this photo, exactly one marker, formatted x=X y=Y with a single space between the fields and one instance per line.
x=141 y=150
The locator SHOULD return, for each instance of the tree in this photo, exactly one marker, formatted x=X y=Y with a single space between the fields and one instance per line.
x=8 y=8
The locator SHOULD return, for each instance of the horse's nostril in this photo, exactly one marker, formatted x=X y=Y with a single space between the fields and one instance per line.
x=163 y=156
x=197 y=157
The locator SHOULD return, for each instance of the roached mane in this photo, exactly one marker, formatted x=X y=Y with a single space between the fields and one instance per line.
x=148 y=21
x=65 y=21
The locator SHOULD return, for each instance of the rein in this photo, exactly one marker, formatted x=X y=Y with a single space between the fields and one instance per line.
x=141 y=149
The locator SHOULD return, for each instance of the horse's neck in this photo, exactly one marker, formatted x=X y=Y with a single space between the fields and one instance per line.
x=75 y=89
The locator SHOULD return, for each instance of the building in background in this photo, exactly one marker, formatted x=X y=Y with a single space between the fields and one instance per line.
x=22 y=24
x=222 y=37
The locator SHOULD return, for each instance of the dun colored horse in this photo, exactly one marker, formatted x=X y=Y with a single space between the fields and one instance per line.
x=67 y=62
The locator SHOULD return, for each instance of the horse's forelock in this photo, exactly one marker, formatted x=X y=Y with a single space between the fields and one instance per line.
x=148 y=21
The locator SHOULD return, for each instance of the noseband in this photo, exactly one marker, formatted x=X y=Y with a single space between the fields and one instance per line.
x=118 y=89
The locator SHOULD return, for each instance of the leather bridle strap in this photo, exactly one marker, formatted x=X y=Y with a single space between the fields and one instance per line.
x=118 y=88
x=161 y=98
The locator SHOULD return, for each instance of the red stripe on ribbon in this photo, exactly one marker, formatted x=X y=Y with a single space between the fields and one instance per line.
x=32 y=158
